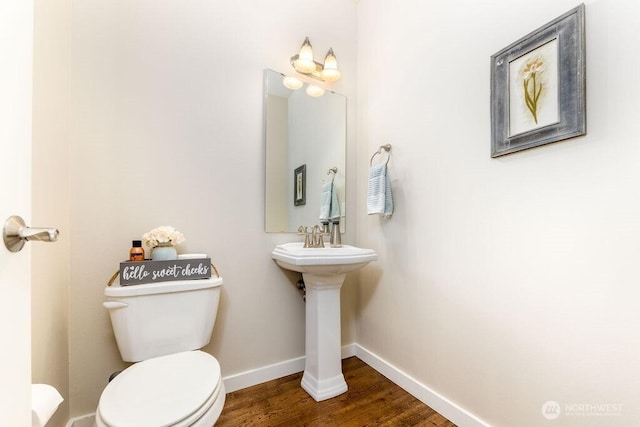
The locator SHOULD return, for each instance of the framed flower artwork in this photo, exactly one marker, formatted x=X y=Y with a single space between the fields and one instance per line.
x=538 y=87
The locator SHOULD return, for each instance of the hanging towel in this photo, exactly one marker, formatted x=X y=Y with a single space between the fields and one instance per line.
x=325 y=201
x=329 y=207
x=379 y=197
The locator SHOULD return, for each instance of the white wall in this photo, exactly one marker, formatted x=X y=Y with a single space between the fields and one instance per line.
x=502 y=283
x=166 y=129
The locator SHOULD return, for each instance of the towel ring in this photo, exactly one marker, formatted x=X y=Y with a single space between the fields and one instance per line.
x=387 y=148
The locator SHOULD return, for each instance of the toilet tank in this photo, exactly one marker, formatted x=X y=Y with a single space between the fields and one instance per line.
x=157 y=319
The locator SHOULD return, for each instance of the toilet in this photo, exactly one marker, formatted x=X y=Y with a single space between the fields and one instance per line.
x=161 y=327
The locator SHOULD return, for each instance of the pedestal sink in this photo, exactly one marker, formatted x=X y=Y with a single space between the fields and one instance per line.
x=323 y=271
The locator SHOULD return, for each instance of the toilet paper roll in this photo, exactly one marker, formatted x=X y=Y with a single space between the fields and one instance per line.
x=45 y=399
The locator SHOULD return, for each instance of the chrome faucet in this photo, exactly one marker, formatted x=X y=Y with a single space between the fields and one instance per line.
x=313 y=238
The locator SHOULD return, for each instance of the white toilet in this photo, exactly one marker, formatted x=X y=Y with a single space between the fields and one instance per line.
x=161 y=326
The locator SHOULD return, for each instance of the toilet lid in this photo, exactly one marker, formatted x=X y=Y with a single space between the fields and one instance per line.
x=160 y=391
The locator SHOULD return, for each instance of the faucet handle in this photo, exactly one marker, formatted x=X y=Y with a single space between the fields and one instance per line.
x=320 y=232
x=302 y=230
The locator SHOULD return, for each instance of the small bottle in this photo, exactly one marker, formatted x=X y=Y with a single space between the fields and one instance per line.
x=137 y=251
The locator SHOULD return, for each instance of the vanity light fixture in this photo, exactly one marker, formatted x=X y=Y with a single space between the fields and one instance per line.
x=292 y=83
x=304 y=63
x=295 y=84
x=314 y=91
x=330 y=69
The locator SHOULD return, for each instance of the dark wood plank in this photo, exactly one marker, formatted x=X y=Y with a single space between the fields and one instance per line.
x=371 y=400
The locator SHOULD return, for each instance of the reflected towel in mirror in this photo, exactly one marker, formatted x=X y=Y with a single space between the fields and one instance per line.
x=329 y=207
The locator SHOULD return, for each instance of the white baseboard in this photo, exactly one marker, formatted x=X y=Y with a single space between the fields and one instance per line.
x=349 y=350
x=429 y=397
x=260 y=375
x=271 y=372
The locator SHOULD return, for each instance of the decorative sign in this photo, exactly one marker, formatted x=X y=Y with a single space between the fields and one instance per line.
x=137 y=273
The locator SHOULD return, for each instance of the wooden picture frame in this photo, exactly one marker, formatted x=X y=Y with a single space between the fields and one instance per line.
x=538 y=86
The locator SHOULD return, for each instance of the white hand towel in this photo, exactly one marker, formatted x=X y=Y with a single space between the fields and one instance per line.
x=379 y=196
x=45 y=399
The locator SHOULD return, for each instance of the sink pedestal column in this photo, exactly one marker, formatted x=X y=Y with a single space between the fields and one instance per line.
x=323 y=377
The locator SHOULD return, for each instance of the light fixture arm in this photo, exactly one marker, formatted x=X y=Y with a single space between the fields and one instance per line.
x=316 y=74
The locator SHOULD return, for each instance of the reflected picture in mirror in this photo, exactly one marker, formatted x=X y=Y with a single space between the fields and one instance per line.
x=301 y=130
x=299 y=183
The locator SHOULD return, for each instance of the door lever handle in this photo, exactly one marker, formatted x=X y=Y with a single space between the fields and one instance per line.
x=15 y=233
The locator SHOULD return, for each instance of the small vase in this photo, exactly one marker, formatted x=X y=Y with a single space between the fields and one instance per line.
x=164 y=252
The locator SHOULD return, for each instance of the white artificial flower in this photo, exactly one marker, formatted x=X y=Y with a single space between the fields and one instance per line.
x=163 y=234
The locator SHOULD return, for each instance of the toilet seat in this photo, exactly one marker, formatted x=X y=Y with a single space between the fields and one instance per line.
x=174 y=390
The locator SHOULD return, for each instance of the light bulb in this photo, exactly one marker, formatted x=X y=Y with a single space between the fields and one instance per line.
x=305 y=63
x=314 y=91
x=330 y=72
x=291 y=83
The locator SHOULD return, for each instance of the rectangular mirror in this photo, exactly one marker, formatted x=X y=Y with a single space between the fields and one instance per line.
x=302 y=133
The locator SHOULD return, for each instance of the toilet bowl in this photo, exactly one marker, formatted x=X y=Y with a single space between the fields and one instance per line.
x=160 y=327
x=178 y=390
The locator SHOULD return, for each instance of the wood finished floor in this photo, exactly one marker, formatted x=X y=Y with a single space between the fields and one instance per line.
x=371 y=400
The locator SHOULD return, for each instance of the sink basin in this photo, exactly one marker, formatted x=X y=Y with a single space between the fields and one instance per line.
x=294 y=256
x=323 y=271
